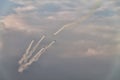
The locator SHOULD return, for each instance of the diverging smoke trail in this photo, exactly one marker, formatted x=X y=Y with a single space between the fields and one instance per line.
x=34 y=48
x=35 y=57
x=27 y=64
x=41 y=51
x=27 y=57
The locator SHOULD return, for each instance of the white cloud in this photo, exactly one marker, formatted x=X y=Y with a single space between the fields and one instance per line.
x=66 y=15
x=102 y=31
x=90 y=39
x=91 y=52
x=63 y=15
x=51 y=18
x=22 y=2
x=17 y=22
x=69 y=10
x=24 y=8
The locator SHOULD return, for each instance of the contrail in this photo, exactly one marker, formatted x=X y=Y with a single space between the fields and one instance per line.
x=26 y=53
x=34 y=48
x=79 y=20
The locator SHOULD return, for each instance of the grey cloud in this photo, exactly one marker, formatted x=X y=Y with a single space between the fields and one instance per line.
x=67 y=59
x=51 y=65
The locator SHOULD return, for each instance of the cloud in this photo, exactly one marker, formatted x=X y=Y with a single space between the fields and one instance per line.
x=36 y=15
x=44 y=16
x=18 y=22
x=1 y=45
x=25 y=8
x=62 y=10
x=47 y=16
x=91 y=52
x=89 y=39
x=95 y=41
x=96 y=30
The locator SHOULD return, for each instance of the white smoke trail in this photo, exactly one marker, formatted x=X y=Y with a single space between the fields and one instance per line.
x=23 y=61
x=26 y=53
x=34 y=48
x=98 y=4
x=22 y=68
x=49 y=45
x=35 y=57
x=41 y=51
x=59 y=30
x=67 y=25
x=72 y=24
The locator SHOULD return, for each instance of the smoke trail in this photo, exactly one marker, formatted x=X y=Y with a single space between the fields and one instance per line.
x=34 y=48
x=49 y=45
x=23 y=62
x=41 y=51
x=22 y=68
x=35 y=57
x=59 y=30
x=26 y=53
x=72 y=24
x=69 y=24
x=39 y=54
x=98 y=4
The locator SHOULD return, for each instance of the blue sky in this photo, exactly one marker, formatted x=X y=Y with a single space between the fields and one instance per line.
x=6 y=7
x=86 y=50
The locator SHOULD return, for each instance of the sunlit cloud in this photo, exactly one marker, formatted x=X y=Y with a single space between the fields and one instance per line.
x=17 y=22
x=44 y=16
x=24 y=9
x=46 y=11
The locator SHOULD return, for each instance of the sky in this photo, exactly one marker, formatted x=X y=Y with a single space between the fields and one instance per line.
x=86 y=50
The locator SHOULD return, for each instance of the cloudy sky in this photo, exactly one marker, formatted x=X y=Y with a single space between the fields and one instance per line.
x=87 y=50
